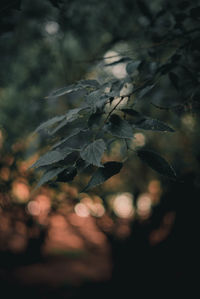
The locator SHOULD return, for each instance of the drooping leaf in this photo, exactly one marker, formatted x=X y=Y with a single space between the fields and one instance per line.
x=50 y=122
x=70 y=116
x=74 y=132
x=52 y=157
x=174 y=79
x=157 y=163
x=153 y=125
x=62 y=91
x=119 y=127
x=49 y=175
x=67 y=174
x=73 y=88
x=77 y=141
x=88 y=83
x=102 y=174
x=93 y=152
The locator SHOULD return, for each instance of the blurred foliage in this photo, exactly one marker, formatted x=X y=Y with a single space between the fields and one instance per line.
x=47 y=46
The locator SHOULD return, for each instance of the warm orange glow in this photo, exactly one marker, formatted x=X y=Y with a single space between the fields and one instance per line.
x=155 y=190
x=144 y=205
x=20 y=191
x=5 y=173
x=94 y=206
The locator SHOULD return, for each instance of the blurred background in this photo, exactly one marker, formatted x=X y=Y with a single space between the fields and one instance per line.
x=138 y=232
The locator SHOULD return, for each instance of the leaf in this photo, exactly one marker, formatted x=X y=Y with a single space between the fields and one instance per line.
x=93 y=152
x=62 y=91
x=157 y=163
x=49 y=123
x=119 y=128
x=74 y=132
x=49 y=175
x=73 y=88
x=70 y=116
x=174 y=79
x=132 y=66
x=81 y=165
x=52 y=157
x=153 y=125
x=67 y=175
x=103 y=174
x=94 y=119
x=88 y=83
x=77 y=141
x=96 y=99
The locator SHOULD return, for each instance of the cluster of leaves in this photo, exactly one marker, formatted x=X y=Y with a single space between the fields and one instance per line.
x=85 y=133
x=108 y=111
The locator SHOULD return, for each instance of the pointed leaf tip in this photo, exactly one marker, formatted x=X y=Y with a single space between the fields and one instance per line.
x=103 y=174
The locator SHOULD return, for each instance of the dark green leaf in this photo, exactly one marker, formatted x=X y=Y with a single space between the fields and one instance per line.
x=77 y=141
x=94 y=119
x=74 y=132
x=49 y=175
x=52 y=157
x=153 y=125
x=88 y=83
x=70 y=116
x=50 y=122
x=96 y=99
x=62 y=91
x=119 y=128
x=81 y=165
x=93 y=152
x=157 y=163
x=103 y=174
x=67 y=175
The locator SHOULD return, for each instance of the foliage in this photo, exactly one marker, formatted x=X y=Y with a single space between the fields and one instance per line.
x=108 y=108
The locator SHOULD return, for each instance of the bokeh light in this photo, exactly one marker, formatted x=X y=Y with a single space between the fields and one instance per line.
x=122 y=205
x=144 y=205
